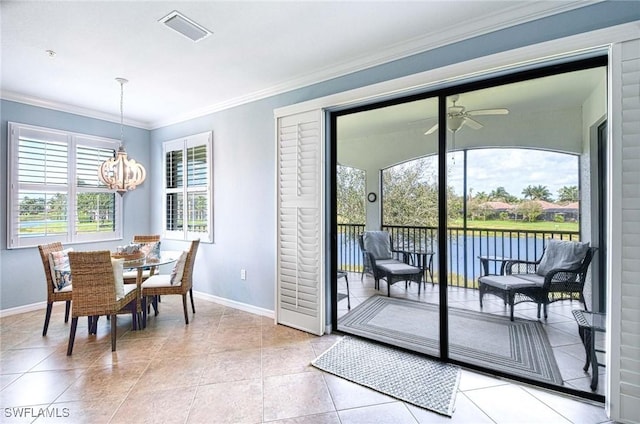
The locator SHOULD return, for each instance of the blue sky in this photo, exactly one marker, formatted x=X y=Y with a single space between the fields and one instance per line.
x=515 y=169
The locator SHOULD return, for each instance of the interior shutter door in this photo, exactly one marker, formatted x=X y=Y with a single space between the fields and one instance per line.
x=625 y=253
x=300 y=288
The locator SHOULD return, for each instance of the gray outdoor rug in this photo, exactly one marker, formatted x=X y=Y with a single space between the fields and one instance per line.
x=517 y=347
x=406 y=376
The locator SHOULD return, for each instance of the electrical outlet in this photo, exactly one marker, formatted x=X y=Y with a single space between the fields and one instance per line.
x=243 y=274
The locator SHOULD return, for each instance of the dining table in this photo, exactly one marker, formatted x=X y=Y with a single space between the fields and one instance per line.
x=151 y=263
x=165 y=257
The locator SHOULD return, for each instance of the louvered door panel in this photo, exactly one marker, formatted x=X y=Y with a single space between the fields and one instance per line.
x=300 y=291
x=625 y=379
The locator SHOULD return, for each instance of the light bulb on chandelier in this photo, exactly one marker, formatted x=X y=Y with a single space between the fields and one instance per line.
x=121 y=173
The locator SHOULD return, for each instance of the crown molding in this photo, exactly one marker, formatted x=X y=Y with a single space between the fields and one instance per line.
x=68 y=108
x=511 y=15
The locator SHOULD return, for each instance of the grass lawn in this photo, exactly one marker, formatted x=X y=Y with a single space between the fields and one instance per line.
x=520 y=225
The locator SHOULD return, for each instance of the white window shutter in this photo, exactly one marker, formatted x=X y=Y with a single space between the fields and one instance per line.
x=300 y=282
x=624 y=272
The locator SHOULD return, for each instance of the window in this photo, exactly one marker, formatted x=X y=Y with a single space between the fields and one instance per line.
x=54 y=190
x=187 y=188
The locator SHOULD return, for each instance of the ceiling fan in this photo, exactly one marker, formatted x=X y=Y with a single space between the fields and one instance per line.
x=457 y=116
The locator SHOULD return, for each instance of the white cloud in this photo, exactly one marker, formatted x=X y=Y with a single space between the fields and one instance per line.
x=514 y=169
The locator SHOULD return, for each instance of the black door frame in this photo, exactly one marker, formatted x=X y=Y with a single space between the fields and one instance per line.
x=442 y=94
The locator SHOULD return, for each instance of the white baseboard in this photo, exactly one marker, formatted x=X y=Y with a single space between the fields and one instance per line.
x=204 y=296
x=236 y=305
x=22 y=309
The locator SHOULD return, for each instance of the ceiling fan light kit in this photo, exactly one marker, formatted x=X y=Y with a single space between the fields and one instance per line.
x=459 y=116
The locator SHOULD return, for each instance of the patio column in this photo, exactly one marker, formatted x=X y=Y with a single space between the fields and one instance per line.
x=373 y=209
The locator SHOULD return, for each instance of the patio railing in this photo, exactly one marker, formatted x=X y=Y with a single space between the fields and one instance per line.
x=465 y=246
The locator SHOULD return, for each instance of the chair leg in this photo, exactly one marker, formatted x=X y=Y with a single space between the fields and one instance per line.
x=154 y=303
x=67 y=308
x=193 y=307
x=93 y=324
x=114 y=329
x=72 y=335
x=184 y=307
x=511 y=298
x=348 y=297
x=47 y=317
x=134 y=315
x=144 y=311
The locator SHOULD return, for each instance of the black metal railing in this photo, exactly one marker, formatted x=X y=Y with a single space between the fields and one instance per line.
x=464 y=247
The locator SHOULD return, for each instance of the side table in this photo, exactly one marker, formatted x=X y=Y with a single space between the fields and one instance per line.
x=588 y=324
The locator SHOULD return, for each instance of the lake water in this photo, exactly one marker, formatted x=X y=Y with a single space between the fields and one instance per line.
x=459 y=250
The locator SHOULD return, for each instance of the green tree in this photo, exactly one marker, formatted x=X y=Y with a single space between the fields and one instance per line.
x=410 y=194
x=350 y=195
x=501 y=195
x=481 y=196
x=568 y=194
x=529 y=210
x=32 y=206
x=538 y=192
x=57 y=206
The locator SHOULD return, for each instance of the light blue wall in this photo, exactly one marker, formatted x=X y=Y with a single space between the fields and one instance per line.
x=244 y=163
x=21 y=272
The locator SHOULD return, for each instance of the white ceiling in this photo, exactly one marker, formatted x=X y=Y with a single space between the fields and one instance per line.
x=257 y=49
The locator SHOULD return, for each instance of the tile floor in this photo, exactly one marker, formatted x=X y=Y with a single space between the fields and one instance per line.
x=226 y=366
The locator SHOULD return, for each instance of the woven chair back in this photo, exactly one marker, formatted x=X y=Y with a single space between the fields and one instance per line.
x=94 y=289
x=187 y=275
x=146 y=238
x=45 y=251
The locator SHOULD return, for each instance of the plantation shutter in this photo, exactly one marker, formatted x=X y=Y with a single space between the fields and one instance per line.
x=625 y=266
x=300 y=288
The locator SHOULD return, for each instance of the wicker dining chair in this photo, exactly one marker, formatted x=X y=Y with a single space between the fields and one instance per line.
x=161 y=285
x=130 y=277
x=53 y=294
x=94 y=293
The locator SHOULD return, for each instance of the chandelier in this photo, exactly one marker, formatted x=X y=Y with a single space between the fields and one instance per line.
x=120 y=173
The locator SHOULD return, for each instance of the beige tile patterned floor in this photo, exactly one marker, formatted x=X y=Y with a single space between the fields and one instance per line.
x=226 y=366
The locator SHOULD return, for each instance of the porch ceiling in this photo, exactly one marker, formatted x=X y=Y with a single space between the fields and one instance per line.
x=547 y=109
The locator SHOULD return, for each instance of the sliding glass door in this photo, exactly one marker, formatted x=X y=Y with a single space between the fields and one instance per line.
x=466 y=182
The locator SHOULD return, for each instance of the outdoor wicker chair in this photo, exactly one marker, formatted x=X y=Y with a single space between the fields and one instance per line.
x=53 y=294
x=376 y=246
x=180 y=282
x=94 y=293
x=560 y=274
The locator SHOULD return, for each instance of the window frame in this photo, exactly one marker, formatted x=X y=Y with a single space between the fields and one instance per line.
x=182 y=144
x=73 y=141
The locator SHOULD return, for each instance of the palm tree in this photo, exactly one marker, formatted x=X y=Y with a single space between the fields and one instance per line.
x=538 y=192
x=568 y=194
x=500 y=194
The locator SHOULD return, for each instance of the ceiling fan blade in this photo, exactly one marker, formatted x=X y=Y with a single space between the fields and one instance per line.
x=431 y=130
x=488 y=112
x=472 y=123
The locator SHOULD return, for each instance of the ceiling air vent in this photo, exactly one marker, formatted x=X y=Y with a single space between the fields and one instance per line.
x=185 y=26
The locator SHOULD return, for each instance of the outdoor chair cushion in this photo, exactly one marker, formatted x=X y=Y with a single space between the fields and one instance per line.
x=378 y=244
x=534 y=278
x=561 y=254
x=508 y=282
x=399 y=269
